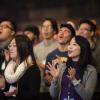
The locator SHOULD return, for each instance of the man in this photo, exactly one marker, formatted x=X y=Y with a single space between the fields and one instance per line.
x=7 y=30
x=41 y=50
x=33 y=33
x=87 y=29
x=59 y=55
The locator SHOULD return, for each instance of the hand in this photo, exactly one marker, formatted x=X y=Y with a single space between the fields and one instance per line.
x=53 y=71
x=72 y=73
x=7 y=55
x=11 y=91
x=59 y=60
x=48 y=78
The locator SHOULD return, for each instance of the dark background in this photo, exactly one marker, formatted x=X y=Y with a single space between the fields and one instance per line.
x=25 y=12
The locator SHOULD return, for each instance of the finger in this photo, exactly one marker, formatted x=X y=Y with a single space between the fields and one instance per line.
x=49 y=64
x=46 y=72
x=48 y=67
x=54 y=62
x=58 y=56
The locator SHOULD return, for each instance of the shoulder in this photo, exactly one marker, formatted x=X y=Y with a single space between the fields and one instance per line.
x=53 y=52
x=34 y=68
x=91 y=68
x=90 y=71
x=39 y=45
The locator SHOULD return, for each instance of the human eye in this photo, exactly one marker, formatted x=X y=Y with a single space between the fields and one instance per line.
x=75 y=44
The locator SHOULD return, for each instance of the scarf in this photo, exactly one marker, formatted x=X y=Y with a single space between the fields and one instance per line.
x=13 y=73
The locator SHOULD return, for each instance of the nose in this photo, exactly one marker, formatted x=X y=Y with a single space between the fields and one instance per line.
x=61 y=33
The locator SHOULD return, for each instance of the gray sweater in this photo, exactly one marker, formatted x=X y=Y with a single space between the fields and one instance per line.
x=85 y=89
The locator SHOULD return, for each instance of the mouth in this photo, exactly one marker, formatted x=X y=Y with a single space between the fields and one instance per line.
x=60 y=37
x=70 y=52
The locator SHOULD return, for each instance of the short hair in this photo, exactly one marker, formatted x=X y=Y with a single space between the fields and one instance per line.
x=69 y=27
x=54 y=24
x=90 y=23
x=12 y=23
x=34 y=29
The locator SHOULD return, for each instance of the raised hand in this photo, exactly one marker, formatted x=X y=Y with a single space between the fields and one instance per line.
x=59 y=60
x=53 y=71
x=72 y=73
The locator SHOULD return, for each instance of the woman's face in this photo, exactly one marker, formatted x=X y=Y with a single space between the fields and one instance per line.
x=13 y=49
x=74 y=50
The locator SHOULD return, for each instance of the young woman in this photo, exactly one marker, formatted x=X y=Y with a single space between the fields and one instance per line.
x=22 y=69
x=75 y=80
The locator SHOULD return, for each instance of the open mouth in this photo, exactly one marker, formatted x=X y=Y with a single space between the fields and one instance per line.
x=69 y=51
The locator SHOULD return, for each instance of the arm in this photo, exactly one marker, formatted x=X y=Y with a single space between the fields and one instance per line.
x=86 y=91
x=54 y=88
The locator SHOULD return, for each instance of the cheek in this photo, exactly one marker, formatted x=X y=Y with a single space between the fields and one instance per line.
x=77 y=51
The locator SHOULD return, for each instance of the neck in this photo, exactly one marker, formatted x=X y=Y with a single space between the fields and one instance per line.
x=17 y=60
x=3 y=44
x=75 y=59
x=63 y=48
x=48 y=41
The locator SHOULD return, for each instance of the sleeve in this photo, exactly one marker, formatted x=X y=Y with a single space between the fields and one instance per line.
x=86 y=91
x=54 y=88
x=48 y=59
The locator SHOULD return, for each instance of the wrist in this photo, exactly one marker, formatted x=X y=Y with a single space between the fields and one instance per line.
x=76 y=82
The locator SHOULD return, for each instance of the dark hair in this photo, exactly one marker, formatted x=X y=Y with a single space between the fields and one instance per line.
x=86 y=54
x=54 y=24
x=69 y=27
x=92 y=28
x=86 y=57
x=24 y=47
x=12 y=23
x=90 y=23
x=34 y=29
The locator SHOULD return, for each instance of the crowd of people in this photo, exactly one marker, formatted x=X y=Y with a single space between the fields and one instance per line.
x=51 y=62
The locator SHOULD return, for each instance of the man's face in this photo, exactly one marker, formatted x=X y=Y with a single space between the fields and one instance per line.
x=85 y=31
x=47 y=30
x=30 y=35
x=64 y=35
x=5 y=30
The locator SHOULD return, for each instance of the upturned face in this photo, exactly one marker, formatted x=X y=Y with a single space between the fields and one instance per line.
x=47 y=30
x=5 y=30
x=64 y=35
x=74 y=50
x=85 y=31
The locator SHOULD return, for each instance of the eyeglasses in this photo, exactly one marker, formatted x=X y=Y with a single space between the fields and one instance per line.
x=5 y=26
x=84 y=29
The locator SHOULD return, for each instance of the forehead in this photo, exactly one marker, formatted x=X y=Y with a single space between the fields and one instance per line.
x=64 y=28
x=85 y=25
x=6 y=23
x=47 y=22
